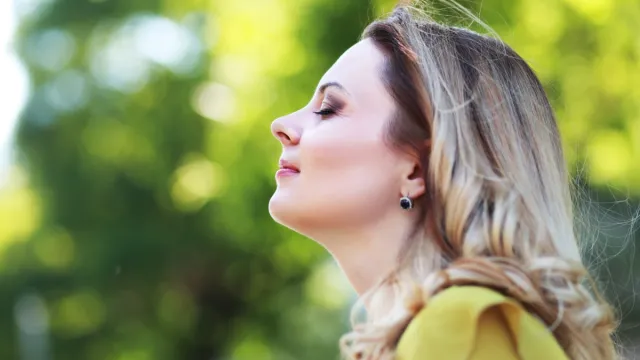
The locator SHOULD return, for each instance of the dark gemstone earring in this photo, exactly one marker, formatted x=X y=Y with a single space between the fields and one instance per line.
x=406 y=203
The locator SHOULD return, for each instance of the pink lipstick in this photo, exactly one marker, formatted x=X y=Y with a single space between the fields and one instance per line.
x=287 y=169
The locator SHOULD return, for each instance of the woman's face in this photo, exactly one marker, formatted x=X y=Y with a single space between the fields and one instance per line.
x=344 y=176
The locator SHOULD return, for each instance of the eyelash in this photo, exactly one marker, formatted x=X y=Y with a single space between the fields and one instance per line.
x=325 y=112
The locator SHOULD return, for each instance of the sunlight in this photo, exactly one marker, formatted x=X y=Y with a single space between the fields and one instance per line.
x=13 y=89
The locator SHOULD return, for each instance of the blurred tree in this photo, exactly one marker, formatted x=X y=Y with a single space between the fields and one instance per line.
x=147 y=164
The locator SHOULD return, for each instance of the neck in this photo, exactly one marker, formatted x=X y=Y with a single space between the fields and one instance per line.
x=368 y=253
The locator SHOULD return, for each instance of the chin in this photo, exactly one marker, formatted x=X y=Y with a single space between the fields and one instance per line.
x=281 y=209
x=275 y=211
x=290 y=213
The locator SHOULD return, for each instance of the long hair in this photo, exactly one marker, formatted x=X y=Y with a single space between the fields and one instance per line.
x=497 y=211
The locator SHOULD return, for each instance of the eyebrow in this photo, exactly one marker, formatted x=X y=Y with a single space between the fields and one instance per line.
x=336 y=84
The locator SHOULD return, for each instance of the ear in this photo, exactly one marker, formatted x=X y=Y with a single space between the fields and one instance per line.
x=413 y=183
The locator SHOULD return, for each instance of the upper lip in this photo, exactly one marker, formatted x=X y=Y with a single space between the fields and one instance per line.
x=284 y=164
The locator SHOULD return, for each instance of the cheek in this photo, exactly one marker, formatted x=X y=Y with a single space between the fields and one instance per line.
x=342 y=151
x=348 y=166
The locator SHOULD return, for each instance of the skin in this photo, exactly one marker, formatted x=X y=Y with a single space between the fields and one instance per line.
x=347 y=192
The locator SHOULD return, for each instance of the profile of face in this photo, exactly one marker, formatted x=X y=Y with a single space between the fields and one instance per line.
x=337 y=173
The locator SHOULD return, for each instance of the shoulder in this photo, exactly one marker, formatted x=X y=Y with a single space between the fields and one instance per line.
x=476 y=323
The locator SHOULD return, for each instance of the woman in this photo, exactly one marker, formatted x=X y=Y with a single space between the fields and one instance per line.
x=429 y=164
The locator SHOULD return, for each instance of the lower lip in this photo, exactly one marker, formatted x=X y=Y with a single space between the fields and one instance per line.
x=286 y=172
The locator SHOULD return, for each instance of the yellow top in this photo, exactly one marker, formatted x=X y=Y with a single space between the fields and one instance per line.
x=474 y=323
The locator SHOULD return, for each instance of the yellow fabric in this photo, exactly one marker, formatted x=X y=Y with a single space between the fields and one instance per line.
x=474 y=323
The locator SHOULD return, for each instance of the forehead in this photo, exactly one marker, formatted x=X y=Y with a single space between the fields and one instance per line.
x=359 y=70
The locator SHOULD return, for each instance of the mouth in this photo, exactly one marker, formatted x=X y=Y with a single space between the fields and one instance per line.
x=291 y=168
x=287 y=169
x=286 y=165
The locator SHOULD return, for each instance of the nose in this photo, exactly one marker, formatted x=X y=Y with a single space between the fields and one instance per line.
x=287 y=134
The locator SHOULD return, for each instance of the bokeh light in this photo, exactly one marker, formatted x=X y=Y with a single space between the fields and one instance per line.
x=136 y=164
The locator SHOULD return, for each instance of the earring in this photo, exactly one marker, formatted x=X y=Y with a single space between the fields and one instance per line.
x=406 y=203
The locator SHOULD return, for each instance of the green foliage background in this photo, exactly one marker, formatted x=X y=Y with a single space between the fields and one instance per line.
x=136 y=217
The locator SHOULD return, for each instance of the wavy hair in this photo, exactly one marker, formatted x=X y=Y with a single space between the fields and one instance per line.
x=497 y=211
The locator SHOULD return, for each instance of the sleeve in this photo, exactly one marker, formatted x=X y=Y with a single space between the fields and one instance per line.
x=493 y=337
x=461 y=324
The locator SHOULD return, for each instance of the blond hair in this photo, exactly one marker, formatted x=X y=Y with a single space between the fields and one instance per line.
x=497 y=211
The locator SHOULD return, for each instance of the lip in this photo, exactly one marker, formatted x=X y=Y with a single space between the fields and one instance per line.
x=284 y=164
x=286 y=172
x=287 y=169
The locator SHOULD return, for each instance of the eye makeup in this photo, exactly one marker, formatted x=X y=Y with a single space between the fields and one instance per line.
x=330 y=106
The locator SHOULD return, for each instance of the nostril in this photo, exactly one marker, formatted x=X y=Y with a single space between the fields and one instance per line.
x=287 y=135
x=283 y=136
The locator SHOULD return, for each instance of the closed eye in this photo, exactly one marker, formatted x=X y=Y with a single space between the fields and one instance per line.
x=325 y=112
x=329 y=107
